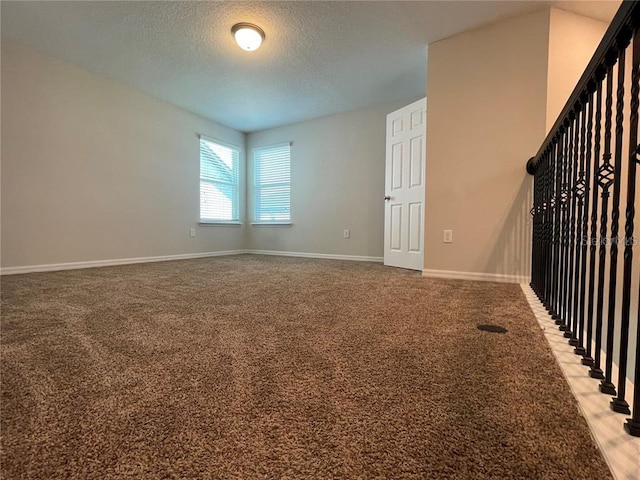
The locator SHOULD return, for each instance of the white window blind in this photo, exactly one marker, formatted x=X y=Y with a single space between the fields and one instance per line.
x=272 y=184
x=219 y=182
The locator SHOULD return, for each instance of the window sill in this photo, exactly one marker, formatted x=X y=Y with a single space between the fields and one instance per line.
x=213 y=224
x=271 y=224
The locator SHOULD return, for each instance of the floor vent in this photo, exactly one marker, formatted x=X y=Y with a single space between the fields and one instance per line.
x=492 y=328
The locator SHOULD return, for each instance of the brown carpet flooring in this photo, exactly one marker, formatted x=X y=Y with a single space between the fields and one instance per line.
x=262 y=367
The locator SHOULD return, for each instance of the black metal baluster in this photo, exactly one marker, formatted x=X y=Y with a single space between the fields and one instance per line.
x=543 y=225
x=538 y=219
x=607 y=386
x=579 y=190
x=541 y=209
x=548 y=224
x=536 y=233
x=605 y=178
x=583 y=192
x=633 y=424
x=558 y=224
x=550 y=227
x=593 y=237
x=571 y=321
x=550 y=215
x=558 y=227
x=565 y=196
x=555 y=285
x=533 y=237
x=619 y=404
x=541 y=229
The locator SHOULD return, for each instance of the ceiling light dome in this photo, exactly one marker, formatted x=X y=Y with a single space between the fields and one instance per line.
x=248 y=36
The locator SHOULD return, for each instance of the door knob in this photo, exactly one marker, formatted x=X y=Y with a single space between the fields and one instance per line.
x=387 y=197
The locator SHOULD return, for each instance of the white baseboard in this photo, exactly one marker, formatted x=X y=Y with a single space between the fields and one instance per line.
x=51 y=267
x=327 y=256
x=483 y=277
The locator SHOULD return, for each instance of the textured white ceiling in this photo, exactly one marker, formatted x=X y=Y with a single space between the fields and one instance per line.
x=319 y=58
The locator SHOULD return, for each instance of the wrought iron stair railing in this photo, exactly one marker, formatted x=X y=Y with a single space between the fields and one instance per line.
x=585 y=172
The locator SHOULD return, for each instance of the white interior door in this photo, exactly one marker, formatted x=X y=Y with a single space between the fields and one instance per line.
x=404 y=187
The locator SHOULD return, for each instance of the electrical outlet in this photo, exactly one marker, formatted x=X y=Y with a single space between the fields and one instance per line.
x=448 y=236
x=347 y=233
x=192 y=232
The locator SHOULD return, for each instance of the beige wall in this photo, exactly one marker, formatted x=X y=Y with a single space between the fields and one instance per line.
x=337 y=183
x=92 y=170
x=486 y=113
x=573 y=40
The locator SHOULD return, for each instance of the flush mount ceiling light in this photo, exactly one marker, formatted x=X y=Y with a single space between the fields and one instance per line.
x=248 y=36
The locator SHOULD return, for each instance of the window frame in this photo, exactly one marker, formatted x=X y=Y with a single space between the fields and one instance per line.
x=237 y=167
x=257 y=187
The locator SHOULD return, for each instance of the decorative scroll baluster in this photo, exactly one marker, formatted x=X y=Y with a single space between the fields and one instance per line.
x=580 y=189
x=619 y=404
x=593 y=237
x=605 y=178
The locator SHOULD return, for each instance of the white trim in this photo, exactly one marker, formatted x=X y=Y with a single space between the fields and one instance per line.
x=51 y=267
x=232 y=146
x=213 y=223
x=327 y=256
x=272 y=224
x=275 y=145
x=483 y=277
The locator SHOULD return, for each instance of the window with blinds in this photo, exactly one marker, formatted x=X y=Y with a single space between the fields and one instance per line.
x=219 y=182
x=272 y=184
